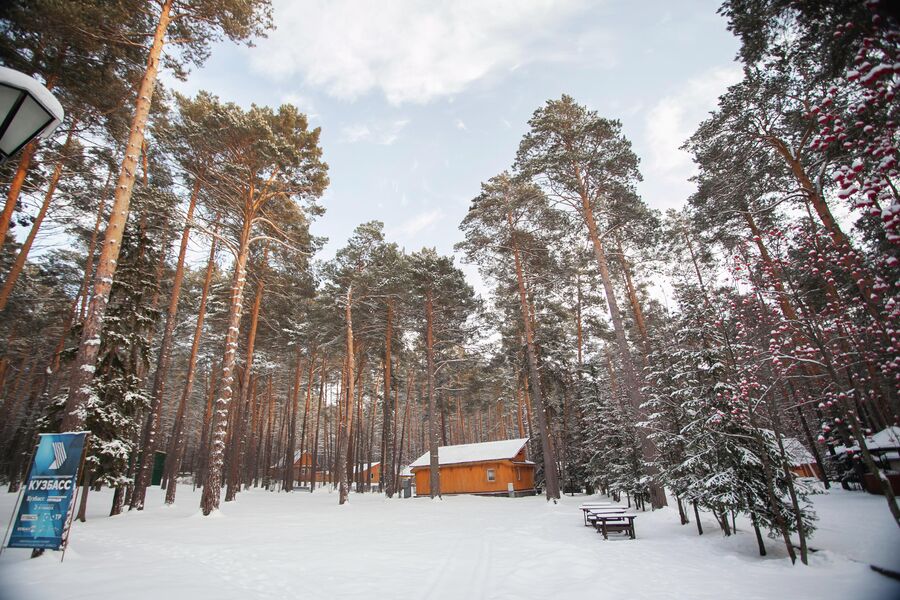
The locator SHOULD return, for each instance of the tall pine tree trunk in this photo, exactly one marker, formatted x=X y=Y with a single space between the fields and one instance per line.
x=403 y=427
x=579 y=339
x=520 y=408
x=203 y=449
x=632 y=382
x=635 y=303
x=241 y=409
x=813 y=446
x=551 y=477
x=270 y=432
x=84 y=292
x=345 y=422
x=15 y=187
x=309 y=379
x=289 y=459
x=314 y=462
x=387 y=425
x=212 y=486
x=789 y=478
x=151 y=431
x=434 y=467
x=86 y=359
x=176 y=452
x=840 y=240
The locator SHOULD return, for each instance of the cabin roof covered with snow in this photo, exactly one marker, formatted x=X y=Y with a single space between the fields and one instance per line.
x=886 y=439
x=297 y=454
x=797 y=453
x=466 y=453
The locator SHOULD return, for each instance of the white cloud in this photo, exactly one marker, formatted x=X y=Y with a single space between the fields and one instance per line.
x=459 y=124
x=355 y=133
x=411 y=51
x=671 y=121
x=417 y=224
x=384 y=133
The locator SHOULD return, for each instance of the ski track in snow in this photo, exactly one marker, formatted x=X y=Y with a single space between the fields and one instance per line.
x=274 y=545
x=467 y=569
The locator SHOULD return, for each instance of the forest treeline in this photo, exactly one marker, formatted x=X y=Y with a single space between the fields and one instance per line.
x=178 y=303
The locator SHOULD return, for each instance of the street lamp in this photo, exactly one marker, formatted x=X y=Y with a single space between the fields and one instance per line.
x=27 y=110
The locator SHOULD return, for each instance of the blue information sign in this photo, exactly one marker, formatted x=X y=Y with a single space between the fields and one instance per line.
x=47 y=502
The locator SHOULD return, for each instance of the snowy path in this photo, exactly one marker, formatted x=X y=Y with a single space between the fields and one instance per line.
x=269 y=545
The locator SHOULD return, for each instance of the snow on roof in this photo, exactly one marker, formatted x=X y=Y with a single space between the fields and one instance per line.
x=406 y=472
x=297 y=455
x=465 y=453
x=367 y=466
x=885 y=439
x=280 y=461
x=796 y=452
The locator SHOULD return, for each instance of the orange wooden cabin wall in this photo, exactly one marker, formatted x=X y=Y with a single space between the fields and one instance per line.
x=371 y=475
x=303 y=470
x=302 y=474
x=471 y=478
x=810 y=470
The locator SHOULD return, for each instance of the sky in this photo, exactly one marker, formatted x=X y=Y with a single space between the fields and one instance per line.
x=421 y=101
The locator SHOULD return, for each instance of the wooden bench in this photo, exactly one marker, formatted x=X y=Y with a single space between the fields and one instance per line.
x=607 y=523
x=591 y=516
x=588 y=510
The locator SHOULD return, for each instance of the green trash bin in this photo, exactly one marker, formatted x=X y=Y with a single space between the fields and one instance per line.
x=159 y=463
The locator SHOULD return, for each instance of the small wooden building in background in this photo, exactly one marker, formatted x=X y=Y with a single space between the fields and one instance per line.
x=487 y=468
x=802 y=462
x=368 y=473
x=302 y=469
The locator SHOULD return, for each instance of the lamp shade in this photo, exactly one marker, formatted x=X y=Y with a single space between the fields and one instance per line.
x=27 y=110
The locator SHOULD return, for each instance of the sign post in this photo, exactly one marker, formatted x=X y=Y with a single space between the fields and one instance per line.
x=45 y=510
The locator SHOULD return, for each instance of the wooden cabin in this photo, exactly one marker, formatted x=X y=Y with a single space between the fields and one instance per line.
x=302 y=469
x=368 y=473
x=884 y=447
x=802 y=462
x=487 y=468
x=302 y=466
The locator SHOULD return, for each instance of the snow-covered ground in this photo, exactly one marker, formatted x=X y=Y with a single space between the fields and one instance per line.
x=274 y=545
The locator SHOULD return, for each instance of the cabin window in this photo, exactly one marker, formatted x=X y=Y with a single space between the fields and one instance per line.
x=491 y=475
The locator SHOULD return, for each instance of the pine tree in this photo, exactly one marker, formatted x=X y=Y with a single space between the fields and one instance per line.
x=493 y=229
x=195 y=24
x=266 y=162
x=581 y=158
x=447 y=303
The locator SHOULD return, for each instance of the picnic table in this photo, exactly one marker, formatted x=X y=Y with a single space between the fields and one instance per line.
x=608 y=523
x=608 y=518
x=599 y=507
